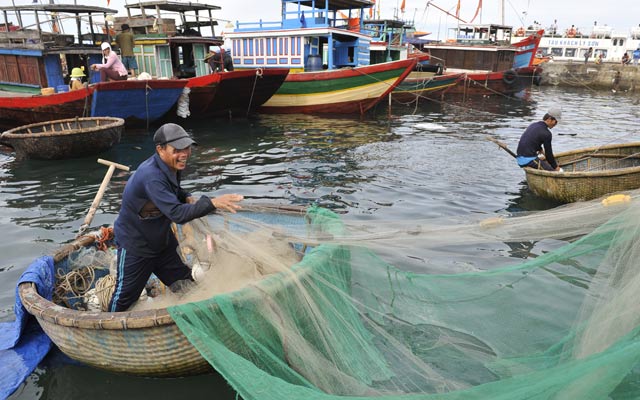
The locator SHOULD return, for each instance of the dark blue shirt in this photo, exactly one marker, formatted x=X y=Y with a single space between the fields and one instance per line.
x=152 y=199
x=534 y=138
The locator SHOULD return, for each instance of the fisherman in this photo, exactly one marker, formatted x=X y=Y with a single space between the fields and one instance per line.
x=75 y=82
x=111 y=67
x=152 y=200
x=126 y=44
x=534 y=149
x=626 y=59
x=636 y=56
x=220 y=61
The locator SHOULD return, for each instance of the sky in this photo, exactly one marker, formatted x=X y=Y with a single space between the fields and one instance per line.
x=621 y=14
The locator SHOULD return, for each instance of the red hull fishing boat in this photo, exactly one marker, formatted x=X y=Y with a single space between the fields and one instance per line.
x=182 y=51
x=24 y=110
x=490 y=63
x=485 y=54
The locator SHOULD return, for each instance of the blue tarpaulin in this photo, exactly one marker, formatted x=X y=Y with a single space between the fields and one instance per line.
x=23 y=344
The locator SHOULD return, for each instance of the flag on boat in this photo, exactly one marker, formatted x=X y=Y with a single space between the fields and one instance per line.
x=402 y=6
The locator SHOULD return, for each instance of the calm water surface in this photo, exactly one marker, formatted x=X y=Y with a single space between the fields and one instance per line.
x=429 y=161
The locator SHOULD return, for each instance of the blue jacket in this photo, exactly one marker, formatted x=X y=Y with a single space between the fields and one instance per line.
x=153 y=186
x=534 y=138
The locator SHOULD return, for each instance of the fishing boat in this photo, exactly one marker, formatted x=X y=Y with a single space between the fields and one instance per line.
x=65 y=138
x=165 y=49
x=328 y=52
x=138 y=102
x=49 y=56
x=589 y=173
x=425 y=84
x=23 y=109
x=144 y=342
x=37 y=59
x=390 y=41
x=491 y=63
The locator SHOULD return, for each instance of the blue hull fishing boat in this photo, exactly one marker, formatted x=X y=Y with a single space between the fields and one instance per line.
x=138 y=102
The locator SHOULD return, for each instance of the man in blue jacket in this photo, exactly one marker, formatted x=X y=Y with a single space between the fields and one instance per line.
x=534 y=148
x=151 y=201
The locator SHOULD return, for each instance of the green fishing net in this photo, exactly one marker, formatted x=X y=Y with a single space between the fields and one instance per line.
x=345 y=323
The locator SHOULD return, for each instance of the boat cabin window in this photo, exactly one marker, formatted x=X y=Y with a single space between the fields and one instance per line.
x=556 y=51
x=543 y=50
x=182 y=57
x=570 y=52
x=601 y=51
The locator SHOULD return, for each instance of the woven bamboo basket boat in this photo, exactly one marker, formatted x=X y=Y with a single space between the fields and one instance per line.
x=589 y=173
x=146 y=343
x=64 y=138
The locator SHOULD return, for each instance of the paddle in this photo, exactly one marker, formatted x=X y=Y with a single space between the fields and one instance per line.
x=502 y=146
x=505 y=148
x=101 y=190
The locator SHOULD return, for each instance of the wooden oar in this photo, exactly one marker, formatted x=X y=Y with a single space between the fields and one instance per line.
x=103 y=187
x=502 y=146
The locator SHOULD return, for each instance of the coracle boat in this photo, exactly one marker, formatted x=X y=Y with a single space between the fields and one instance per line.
x=589 y=173
x=64 y=138
x=147 y=342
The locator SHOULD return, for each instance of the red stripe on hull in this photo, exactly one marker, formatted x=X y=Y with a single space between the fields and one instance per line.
x=24 y=110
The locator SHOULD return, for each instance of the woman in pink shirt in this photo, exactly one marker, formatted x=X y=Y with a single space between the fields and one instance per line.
x=112 y=67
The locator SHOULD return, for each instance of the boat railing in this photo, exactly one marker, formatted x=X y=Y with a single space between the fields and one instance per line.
x=257 y=26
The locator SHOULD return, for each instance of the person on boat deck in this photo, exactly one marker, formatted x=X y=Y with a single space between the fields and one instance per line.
x=626 y=59
x=152 y=200
x=76 y=79
x=219 y=61
x=599 y=59
x=111 y=67
x=588 y=54
x=126 y=44
x=534 y=149
x=636 y=56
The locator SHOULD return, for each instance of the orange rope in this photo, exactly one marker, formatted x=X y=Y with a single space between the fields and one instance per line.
x=106 y=234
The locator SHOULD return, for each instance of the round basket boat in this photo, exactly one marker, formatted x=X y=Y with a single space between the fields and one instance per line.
x=64 y=138
x=146 y=343
x=589 y=173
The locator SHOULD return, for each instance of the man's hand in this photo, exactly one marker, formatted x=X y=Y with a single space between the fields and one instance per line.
x=228 y=202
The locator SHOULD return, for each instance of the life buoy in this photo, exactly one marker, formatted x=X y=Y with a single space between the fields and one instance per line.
x=520 y=31
x=571 y=33
x=509 y=77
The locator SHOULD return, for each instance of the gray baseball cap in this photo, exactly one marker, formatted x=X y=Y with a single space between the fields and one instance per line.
x=556 y=113
x=173 y=135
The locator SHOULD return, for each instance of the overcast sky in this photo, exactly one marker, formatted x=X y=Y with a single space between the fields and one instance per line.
x=619 y=14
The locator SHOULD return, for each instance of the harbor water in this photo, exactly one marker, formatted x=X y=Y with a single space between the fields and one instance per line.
x=415 y=162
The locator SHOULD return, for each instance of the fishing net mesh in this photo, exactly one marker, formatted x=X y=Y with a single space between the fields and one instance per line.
x=345 y=323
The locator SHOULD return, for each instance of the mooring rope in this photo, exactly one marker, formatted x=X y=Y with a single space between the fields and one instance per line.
x=259 y=73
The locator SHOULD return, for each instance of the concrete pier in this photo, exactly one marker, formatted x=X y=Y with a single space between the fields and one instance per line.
x=591 y=75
